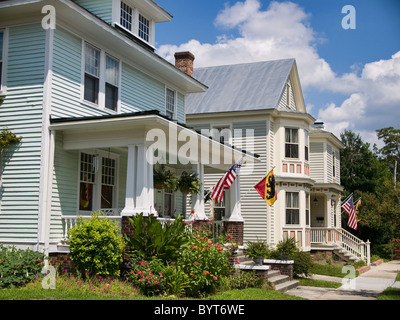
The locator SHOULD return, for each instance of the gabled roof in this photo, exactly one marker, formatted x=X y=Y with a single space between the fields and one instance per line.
x=242 y=87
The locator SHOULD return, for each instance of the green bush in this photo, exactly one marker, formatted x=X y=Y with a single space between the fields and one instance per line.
x=302 y=260
x=17 y=267
x=96 y=245
x=150 y=239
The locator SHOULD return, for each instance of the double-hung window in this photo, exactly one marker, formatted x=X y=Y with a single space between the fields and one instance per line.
x=306 y=145
x=101 y=78
x=292 y=208
x=291 y=143
x=92 y=73
x=112 y=80
x=170 y=103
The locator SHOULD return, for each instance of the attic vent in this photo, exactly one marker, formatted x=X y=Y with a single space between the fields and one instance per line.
x=318 y=125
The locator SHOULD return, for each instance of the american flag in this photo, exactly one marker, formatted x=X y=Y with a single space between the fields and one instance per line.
x=226 y=181
x=349 y=207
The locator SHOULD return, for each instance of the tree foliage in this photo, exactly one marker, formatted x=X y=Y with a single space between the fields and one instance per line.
x=360 y=168
x=368 y=175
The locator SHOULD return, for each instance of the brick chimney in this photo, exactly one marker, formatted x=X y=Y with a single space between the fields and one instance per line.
x=184 y=61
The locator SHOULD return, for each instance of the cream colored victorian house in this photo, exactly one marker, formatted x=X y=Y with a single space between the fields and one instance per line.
x=259 y=107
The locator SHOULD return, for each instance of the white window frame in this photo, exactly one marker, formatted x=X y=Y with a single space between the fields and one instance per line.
x=4 y=60
x=101 y=100
x=217 y=132
x=292 y=208
x=291 y=143
x=97 y=184
x=135 y=23
x=168 y=111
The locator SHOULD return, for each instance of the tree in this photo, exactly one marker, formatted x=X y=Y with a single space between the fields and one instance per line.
x=390 y=152
x=360 y=168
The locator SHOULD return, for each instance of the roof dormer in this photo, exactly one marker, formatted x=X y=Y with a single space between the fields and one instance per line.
x=138 y=17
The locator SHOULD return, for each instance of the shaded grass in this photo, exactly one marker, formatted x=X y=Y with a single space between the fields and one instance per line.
x=253 y=294
x=319 y=283
x=328 y=270
x=390 y=294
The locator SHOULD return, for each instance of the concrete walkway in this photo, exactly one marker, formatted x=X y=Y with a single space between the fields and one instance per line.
x=367 y=286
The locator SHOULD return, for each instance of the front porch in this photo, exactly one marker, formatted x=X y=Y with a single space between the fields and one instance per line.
x=107 y=163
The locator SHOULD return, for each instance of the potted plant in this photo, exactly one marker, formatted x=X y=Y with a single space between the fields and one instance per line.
x=189 y=183
x=257 y=250
x=164 y=179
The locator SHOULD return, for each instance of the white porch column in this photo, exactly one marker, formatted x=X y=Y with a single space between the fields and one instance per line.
x=139 y=182
x=198 y=199
x=144 y=182
x=234 y=193
x=130 y=193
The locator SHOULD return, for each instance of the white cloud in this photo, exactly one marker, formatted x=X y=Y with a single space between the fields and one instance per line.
x=283 y=31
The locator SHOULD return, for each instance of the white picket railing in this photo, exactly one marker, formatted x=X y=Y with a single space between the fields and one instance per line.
x=343 y=239
x=70 y=221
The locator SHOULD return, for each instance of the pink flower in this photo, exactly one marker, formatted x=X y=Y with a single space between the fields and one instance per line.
x=187 y=223
x=215 y=278
x=196 y=263
x=237 y=261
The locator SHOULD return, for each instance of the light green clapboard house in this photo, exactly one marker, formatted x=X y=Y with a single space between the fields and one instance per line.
x=89 y=96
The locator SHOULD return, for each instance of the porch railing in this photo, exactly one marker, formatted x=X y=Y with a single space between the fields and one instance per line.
x=70 y=221
x=115 y=214
x=343 y=239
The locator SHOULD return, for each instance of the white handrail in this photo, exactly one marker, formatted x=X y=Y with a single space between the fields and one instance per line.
x=343 y=239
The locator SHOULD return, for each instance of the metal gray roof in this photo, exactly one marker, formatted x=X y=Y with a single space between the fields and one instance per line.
x=240 y=87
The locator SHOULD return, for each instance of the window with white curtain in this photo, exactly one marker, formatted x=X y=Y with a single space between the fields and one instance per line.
x=92 y=73
x=101 y=75
x=112 y=80
x=292 y=208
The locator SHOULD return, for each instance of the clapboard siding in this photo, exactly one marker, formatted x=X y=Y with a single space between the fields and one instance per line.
x=180 y=113
x=100 y=8
x=317 y=163
x=21 y=113
x=140 y=92
x=283 y=102
x=254 y=209
x=67 y=73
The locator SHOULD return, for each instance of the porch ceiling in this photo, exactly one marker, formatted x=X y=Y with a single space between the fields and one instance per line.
x=151 y=129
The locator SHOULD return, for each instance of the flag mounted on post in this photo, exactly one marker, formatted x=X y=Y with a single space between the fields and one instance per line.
x=349 y=207
x=267 y=188
x=226 y=181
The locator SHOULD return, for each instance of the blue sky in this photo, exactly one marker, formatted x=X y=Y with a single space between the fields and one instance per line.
x=350 y=77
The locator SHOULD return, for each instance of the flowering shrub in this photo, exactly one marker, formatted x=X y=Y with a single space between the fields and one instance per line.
x=147 y=276
x=204 y=261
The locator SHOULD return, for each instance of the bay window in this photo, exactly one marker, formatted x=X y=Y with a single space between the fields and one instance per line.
x=291 y=143
x=292 y=208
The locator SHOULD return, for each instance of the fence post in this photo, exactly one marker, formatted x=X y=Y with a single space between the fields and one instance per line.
x=368 y=252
